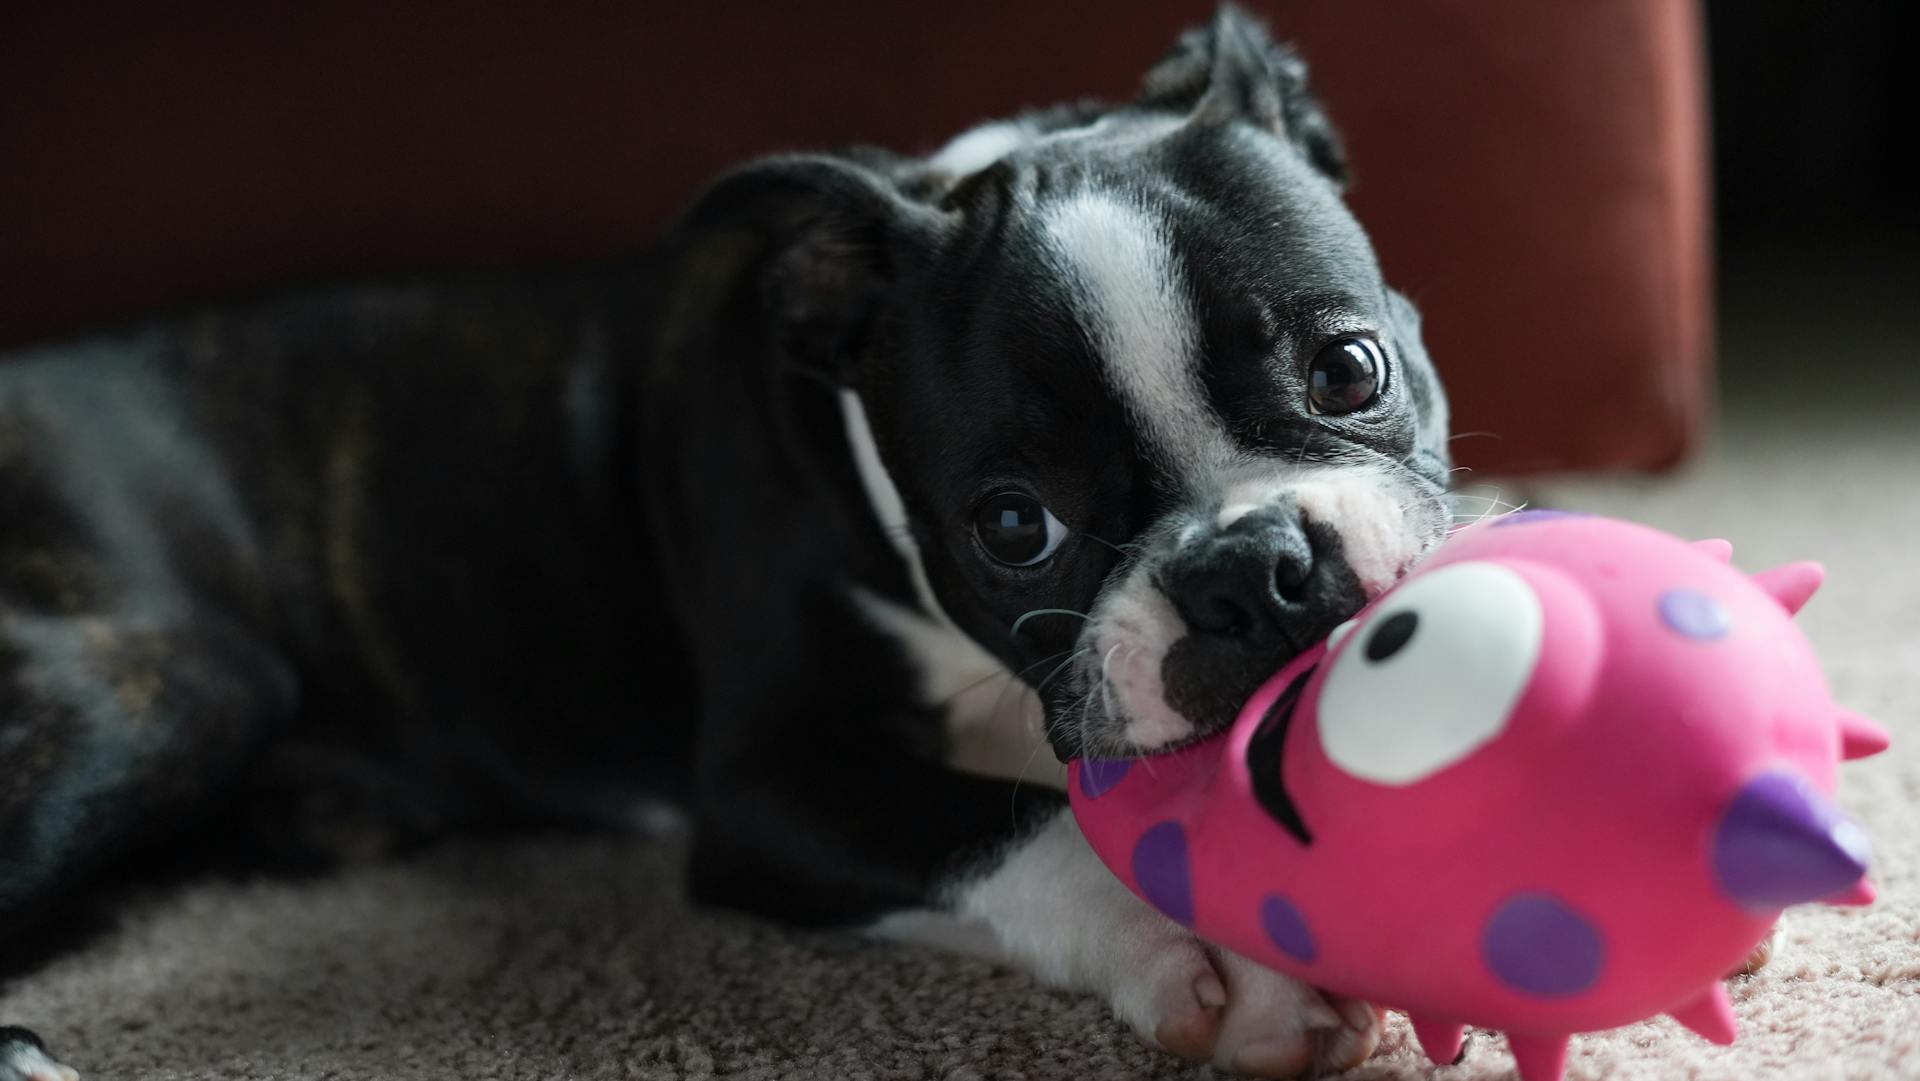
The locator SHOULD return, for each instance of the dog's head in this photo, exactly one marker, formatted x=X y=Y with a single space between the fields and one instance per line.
x=1133 y=369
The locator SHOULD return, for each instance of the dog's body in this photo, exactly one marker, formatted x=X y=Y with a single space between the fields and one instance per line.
x=1108 y=402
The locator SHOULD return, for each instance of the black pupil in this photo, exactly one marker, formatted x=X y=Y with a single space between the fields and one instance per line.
x=1392 y=633
x=1012 y=527
x=1346 y=376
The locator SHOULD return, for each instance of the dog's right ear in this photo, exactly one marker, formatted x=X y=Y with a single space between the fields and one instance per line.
x=834 y=235
x=1231 y=69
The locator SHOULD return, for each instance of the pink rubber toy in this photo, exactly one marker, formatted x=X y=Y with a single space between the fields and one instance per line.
x=1562 y=778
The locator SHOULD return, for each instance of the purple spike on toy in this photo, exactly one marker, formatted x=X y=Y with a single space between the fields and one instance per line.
x=1781 y=843
x=1710 y=1015
x=1443 y=1041
x=1792 y=584
x=1860 y=737
x=1719 y=549
x=1860 y=893
x=1539 y=1058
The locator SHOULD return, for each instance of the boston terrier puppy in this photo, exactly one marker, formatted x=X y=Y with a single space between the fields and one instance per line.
x=1111 y=401
x=1059 y=439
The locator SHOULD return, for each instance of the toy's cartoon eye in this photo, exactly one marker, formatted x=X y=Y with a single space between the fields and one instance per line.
x=1432 y=675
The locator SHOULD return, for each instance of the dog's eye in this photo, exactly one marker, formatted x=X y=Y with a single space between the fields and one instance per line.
x=1016 y=530
x=1433 y=675
x=1346 y=376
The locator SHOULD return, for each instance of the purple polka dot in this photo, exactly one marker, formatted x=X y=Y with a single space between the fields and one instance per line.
x=1538 y=946
x=1160 y=867
x=1693 y=614
x=1781 y=843
x=1099 y=775
x=1524 y=517
x=1287 y=928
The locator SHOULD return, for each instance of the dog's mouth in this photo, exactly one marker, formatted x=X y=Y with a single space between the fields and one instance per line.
x=1171 y=651
x=1265 y=752
x=1199 y=687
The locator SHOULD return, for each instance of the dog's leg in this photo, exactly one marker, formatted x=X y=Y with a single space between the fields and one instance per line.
x=112 y=727
x=23 y=1057
x=134 y=678
x=1055 y=908
x=824 y=835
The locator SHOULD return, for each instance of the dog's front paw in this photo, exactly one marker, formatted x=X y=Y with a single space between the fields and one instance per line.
x=1055 y=908
x=1206 y=1004
x=24 y=1058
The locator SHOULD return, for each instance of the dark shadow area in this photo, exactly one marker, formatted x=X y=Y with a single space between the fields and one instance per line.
x=1817 y=214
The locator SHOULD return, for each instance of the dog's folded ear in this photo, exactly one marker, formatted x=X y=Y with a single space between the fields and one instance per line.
x=1231 y=70
x=831 y=234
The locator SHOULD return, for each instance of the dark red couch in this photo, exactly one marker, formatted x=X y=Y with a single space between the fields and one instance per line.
x=1533 y=172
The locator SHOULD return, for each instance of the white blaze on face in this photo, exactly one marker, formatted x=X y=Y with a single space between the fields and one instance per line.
x=1118 y=261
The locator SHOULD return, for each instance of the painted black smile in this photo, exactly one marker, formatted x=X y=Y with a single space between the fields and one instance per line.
x=1264 y=753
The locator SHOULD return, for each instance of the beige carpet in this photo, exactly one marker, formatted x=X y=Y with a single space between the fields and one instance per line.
x=576 y=958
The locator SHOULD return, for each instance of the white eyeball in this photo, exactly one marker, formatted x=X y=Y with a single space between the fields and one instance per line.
x=1432 y=675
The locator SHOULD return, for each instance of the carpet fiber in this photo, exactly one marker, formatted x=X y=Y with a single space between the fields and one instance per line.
x=577 y=957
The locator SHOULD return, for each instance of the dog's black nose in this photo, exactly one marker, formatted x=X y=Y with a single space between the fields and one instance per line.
x=1253 y=594
x=1269 y=579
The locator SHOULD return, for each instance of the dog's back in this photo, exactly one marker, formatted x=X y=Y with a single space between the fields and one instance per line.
x=399 y=520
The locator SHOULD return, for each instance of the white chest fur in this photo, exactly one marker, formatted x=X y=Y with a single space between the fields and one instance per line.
x=994 y=721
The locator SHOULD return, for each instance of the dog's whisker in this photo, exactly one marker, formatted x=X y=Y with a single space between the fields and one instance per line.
x=1495 y=498
x=1488 y=500
x=1145 y=760
x=998 y=673
x=1121 y=548
x=1013 y=798
x=1012 y=687
x=1024 y=616
x=1084 y=717
x=1061 y=667
x=1493 y=509
x=1106 y=680
x=1302 y=456
x=982 y=681
x=1460 y=523
x=1016 y=683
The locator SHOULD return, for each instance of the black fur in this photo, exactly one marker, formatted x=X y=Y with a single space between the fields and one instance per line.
x=1268 y=586
x=386 y=537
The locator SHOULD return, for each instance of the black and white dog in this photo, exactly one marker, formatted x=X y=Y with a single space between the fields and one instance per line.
x=1108 y=404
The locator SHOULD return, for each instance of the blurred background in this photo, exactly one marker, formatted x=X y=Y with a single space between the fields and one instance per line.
x=1591 y=202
